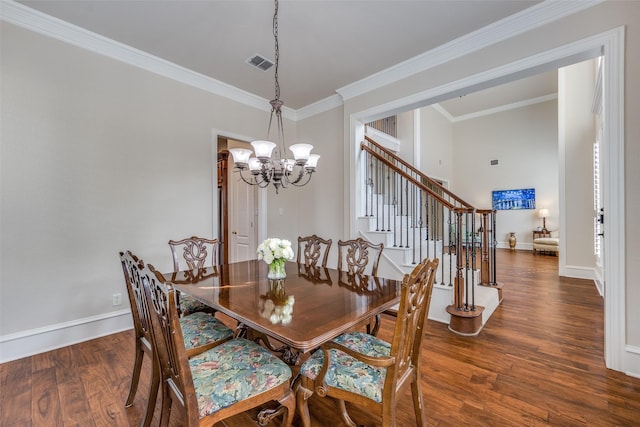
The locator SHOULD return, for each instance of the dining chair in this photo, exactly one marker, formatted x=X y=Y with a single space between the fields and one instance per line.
x=369 y=372
x=358 y=256
x=189 y=254
x=209 y=385
x=198 y=329
x=311 y=249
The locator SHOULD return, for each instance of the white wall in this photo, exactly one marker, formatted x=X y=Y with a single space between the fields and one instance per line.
x=577 y=136
x=525 y=143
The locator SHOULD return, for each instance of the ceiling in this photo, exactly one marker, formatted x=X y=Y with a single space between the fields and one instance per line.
x=324 y=45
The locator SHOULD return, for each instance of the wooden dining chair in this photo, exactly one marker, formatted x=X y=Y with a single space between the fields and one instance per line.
x=199 y=329
x=209 y=385
x=189 y=254
x=311 y=249
x=358 y=256
x=369 y=372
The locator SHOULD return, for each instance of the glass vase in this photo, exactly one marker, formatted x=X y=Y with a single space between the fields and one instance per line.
x=277 y=270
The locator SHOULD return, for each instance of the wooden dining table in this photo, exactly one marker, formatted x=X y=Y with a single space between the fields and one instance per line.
x=323 y=302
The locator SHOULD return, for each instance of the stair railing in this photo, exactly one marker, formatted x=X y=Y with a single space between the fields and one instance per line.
x=432 y=221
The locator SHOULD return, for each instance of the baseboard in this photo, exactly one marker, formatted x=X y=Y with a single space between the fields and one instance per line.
x=632 y=362
x=34 y=341
x=577 y=272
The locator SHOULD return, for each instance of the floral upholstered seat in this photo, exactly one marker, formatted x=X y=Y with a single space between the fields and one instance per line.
x=234 y=371
x=348 y=373
x=189 y=305
x=201 y=328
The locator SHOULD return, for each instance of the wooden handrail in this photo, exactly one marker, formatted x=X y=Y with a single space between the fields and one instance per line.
x=416 y=171
x=408 y=177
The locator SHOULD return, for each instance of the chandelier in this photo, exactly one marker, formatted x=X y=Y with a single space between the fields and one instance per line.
x=265 y=168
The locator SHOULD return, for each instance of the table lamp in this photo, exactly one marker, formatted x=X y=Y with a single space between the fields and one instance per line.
x=544 y=213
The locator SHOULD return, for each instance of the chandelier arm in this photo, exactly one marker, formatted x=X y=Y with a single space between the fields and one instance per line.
x=252 y=180
x=297 y=182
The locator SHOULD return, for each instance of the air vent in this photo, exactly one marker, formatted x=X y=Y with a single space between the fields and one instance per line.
x=494 y=162
x=260 y=62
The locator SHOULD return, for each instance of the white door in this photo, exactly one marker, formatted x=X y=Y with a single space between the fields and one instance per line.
x=242 y=218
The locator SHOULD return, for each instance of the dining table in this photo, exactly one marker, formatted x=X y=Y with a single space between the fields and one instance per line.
x=309 y=307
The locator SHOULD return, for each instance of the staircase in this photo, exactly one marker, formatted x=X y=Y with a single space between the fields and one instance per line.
x=415 y=217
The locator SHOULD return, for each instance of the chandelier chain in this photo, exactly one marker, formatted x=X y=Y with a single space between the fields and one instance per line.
x=277 y=48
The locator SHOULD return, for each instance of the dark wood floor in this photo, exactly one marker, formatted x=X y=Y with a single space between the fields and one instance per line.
x=538 y=361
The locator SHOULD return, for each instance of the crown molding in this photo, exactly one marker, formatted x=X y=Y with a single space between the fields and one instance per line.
x=506 y=107
x=534 y=17
x=33 y=20
x=318 y=107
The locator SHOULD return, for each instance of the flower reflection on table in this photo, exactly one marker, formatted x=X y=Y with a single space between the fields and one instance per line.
x=276 y=305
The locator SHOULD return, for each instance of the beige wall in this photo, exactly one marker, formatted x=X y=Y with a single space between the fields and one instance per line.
x=97 y=157
x=436 y=138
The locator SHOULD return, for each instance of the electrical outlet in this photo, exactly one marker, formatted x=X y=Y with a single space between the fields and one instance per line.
x=117 y=299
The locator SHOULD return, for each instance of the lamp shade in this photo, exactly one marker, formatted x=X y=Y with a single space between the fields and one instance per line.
x=263 y=149
x=301 y=151
x=543 y=213
x=254 y=164
x=240 y=155
x=312 y=162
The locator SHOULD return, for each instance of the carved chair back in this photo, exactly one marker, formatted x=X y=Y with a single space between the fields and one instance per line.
x=406 y=345
x=358 y=256
x=194 y=252
x=131 y=266
x=169 y=343
x=312 y=249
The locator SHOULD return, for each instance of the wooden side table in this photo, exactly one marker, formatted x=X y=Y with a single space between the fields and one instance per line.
x=541 y=233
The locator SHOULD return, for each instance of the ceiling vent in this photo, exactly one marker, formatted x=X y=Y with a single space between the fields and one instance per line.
x=260 y=62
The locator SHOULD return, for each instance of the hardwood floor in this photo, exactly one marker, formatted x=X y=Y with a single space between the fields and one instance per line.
x=538 y=361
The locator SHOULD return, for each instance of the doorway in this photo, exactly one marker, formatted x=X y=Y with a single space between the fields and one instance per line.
x=609 y=44
x=237 y=208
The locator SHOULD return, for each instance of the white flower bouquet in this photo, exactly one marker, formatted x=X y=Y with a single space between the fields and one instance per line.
x=275 y=252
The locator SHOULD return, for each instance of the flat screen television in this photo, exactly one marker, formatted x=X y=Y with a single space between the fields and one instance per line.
x=514 y=199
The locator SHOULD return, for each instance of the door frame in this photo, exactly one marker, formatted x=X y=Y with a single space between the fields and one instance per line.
x=610 y=45
x=261 y=222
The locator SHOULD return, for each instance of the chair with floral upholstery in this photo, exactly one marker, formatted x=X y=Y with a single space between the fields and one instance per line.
x=213 y=384
x=367 y=371
x=190 y=254
x=311 y=249
x=198 y=329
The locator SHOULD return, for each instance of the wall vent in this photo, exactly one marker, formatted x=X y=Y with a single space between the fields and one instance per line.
x=494 y=162
x=260 y=62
